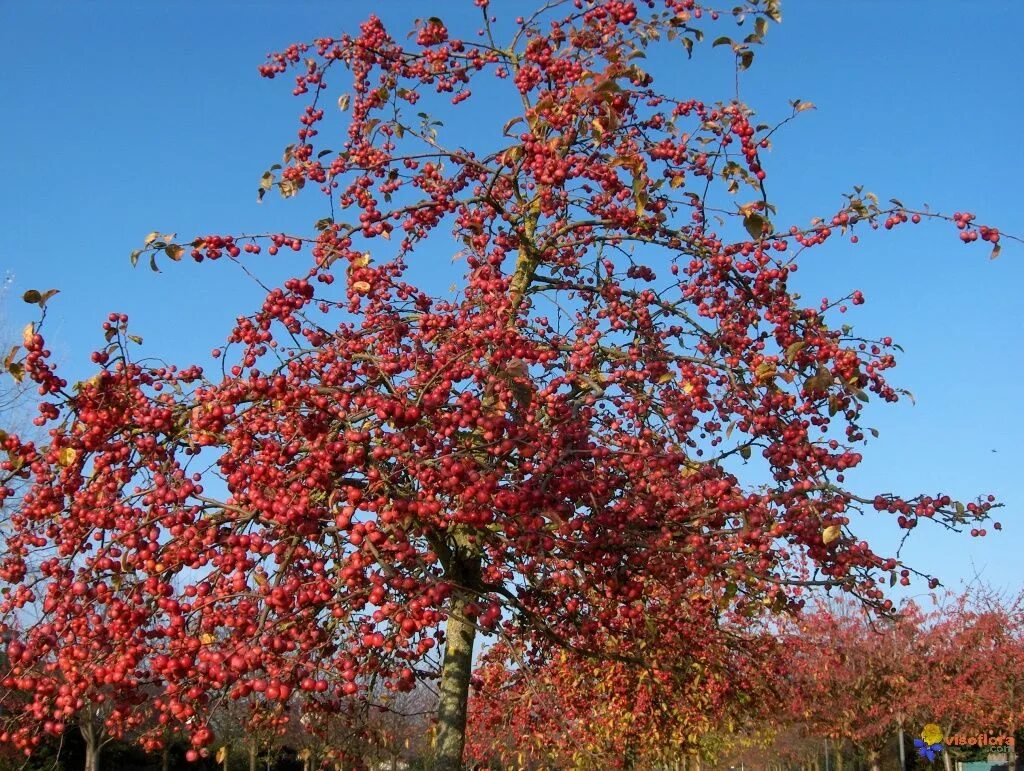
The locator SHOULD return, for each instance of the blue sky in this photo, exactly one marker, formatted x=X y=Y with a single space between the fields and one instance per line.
x=122 y=118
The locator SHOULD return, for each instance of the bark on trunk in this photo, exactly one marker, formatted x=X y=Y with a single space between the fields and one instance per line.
x=252 y=756
x=92 y=747
x=165 y=758
x=873 y=761
x=460 y=634
x=947 y=761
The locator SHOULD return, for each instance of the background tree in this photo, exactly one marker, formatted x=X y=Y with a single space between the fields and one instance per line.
x=707 y=678
x=378 y=472
x=856 y=678
x=972 y=669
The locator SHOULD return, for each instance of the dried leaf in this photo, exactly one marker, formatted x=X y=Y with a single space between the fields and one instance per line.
x=755 y=225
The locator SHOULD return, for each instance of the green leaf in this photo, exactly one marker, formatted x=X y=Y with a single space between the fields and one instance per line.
x=745 y=452
x=722 y=41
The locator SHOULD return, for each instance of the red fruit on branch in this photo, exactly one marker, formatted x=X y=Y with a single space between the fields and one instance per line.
x=378 y=473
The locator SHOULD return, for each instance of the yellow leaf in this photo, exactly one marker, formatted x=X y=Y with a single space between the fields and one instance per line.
x=222 y=753
x=207 y=639
x=67 y=456
x=362 y=287
x=362 y=262
x=831 y=533
x=765 y=371
x=28 y=333
x=756 y=225
x=668 y=377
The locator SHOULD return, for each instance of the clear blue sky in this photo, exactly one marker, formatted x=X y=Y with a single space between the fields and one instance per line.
x=121 y=118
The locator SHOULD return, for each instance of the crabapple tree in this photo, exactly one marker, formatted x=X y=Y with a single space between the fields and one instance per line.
x=377 y=471
x=709 y=675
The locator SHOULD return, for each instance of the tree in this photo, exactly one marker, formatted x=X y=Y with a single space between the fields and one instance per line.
x=866 y=680
x=973 y=668
x=856 y=678
x=709 y=676
x=392 y=469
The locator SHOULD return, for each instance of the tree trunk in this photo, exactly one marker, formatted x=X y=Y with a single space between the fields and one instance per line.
x=92 y=746
x=252 y=756
x=455 y=673
x=947 y=759
x=873 y=763
x=839 y=757
x=903 y=751
x=165 y=758
x=92 y=757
